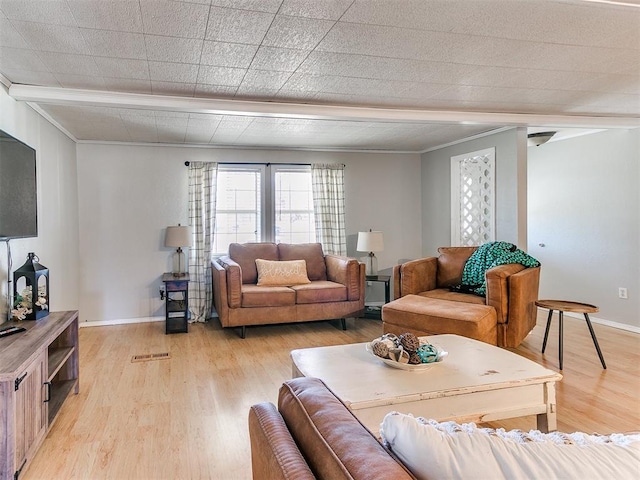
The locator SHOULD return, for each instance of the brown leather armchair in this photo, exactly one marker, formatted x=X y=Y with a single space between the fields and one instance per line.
x=511 y=292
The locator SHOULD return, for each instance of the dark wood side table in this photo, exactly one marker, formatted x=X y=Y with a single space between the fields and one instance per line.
x=566 y=306
x=376 y=313
x=176 y=303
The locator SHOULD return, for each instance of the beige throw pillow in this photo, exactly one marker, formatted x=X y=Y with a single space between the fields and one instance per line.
x=281 y=273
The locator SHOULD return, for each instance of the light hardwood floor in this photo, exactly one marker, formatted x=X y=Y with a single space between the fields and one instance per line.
x=186 y=417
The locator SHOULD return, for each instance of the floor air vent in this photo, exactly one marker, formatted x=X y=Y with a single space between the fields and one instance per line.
x=150 y=356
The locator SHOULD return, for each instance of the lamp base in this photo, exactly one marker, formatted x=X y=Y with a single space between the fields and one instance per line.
x=371 y=266
x=179 y=263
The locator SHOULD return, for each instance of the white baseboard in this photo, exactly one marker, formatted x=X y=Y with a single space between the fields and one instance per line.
x=126 y=321
x=601 y=321
x=120 y=321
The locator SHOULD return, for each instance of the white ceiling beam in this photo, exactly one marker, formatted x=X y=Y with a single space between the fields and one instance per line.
x=97 y=98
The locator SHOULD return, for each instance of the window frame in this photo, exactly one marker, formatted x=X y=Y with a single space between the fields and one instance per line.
x=245 y=167
x=273 y=169
x=267 y=211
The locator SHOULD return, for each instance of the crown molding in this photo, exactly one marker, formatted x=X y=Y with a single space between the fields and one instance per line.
x=98 y=98
x=5 y=81
x=221 y=146
x=467 y=139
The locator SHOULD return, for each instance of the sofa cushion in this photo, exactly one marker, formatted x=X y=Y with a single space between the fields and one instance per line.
x=451 y=265
x=446 y=294
x=245 y=254
x=309 y=252
x=277 y=273
x=320 y=292
x=431 y=316
x=448 y=450
x=255 y=296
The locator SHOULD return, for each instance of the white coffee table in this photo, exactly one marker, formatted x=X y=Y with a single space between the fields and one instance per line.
x=476 y=382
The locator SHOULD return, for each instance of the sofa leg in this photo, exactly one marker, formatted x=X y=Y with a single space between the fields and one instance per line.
x=243 y=331
x=344 y=323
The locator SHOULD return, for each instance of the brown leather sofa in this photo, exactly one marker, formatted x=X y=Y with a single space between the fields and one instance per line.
x=336 y=290
x=312 y=435
x=425 y=305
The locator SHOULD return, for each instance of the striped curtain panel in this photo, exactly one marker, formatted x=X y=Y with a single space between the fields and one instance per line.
x=328 y=207
x=202 y=218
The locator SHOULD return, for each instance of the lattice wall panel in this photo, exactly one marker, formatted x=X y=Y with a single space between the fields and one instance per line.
x=477 y=200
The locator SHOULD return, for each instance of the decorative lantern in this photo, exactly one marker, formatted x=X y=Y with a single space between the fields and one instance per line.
x=32 y=302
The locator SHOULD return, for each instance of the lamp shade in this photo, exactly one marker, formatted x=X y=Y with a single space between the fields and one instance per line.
x=370 y=242
x=179 y=236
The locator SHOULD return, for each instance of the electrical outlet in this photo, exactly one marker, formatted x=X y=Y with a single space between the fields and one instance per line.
x=622 y=292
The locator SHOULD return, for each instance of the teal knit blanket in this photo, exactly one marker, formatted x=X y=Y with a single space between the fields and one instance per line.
x=487 y=256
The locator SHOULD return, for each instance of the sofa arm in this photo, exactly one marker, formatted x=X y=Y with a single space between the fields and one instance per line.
x=498 y=288
x=346 y=271
x=274 y=454
x=416 y=276
x=523 y=292
x=234 y=281
x=334 y=443
x=219 y=287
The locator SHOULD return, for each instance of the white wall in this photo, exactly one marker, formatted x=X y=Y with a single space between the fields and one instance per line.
x=130 y=194
x=585 y=208
x=510 y=190
x=57 y=241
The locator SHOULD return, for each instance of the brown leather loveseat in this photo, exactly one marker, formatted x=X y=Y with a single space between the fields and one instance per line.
x=424 y=304
x=335 y=290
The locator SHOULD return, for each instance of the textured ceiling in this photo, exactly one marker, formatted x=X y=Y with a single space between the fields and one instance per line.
x=542 y=59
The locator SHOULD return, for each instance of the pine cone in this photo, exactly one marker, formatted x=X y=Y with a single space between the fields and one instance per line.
x=380 y=349
x=414 y=359
x=409 y=342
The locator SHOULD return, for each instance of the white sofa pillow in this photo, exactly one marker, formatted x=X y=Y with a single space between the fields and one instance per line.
x=280 y=273
x=447 y=450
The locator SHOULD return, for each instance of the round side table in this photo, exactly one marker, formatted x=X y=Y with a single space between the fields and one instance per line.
x=566 y=306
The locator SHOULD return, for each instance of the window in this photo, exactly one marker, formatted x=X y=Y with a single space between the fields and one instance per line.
x=239 y=201
x=293 y=206
x=262 y=203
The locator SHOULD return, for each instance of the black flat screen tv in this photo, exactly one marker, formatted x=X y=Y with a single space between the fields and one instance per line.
x=18 y=193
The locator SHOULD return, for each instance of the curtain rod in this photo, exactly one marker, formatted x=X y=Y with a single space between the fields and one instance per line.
x=261 y=163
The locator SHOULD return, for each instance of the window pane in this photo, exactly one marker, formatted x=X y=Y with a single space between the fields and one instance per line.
x=238 y=190
x=294 y=220
x=224 y=222
x=299 y=238
x=245 y=200
x=235 y=227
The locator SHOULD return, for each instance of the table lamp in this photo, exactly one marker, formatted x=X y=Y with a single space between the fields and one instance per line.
x=370 y=242
x=179 y=237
